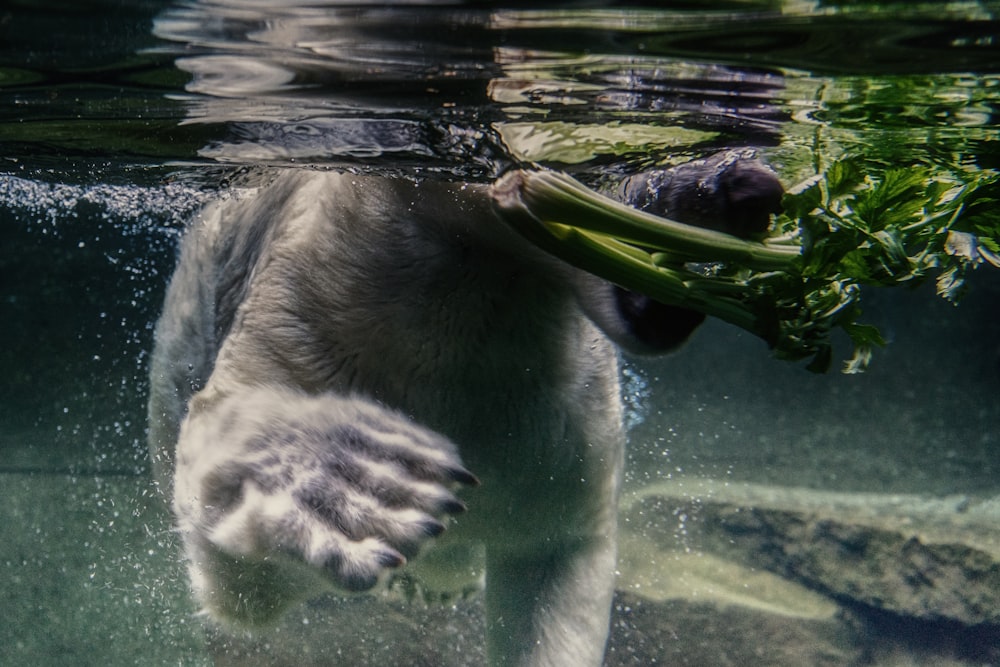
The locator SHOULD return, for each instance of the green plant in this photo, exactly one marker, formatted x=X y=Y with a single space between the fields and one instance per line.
x=839 y=232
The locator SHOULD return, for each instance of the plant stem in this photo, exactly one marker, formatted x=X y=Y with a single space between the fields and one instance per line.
x=556 y=197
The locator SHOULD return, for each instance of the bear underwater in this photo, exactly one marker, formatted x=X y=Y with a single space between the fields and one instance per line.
x=342 y=356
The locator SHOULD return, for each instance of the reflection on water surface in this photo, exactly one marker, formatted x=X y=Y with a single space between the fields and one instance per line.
x=390 y=86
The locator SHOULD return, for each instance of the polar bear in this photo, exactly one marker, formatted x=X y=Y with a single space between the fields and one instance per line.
x=346 y=364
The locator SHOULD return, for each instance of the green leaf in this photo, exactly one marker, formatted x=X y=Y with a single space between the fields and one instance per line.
x=864 y=334
x=951 y=284
x=842 y=178
x=897 y=199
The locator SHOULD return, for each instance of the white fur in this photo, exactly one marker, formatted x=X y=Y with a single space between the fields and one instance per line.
x=336 y=328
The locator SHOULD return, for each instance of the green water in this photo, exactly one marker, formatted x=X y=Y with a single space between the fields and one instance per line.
x=118 y=118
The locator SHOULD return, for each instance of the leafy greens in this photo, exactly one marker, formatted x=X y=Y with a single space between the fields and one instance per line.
x=838 y=232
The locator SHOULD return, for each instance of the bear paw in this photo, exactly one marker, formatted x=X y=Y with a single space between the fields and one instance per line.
x=340 y=484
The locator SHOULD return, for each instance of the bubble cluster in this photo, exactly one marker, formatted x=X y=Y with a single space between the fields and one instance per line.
x=85 y=270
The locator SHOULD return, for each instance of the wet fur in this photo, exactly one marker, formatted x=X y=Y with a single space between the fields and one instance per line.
x=345 y=362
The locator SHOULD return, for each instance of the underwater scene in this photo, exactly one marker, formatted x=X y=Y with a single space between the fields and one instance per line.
x=770 y=515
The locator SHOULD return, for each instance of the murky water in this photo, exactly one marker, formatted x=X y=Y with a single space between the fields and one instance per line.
x=117 y=119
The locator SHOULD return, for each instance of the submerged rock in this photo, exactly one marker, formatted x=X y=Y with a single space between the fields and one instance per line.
x=930 y=560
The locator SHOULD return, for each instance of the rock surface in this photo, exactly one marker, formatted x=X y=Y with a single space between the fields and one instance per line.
x=933 y=559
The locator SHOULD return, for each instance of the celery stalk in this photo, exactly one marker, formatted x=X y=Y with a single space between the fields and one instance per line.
x=839 y=232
